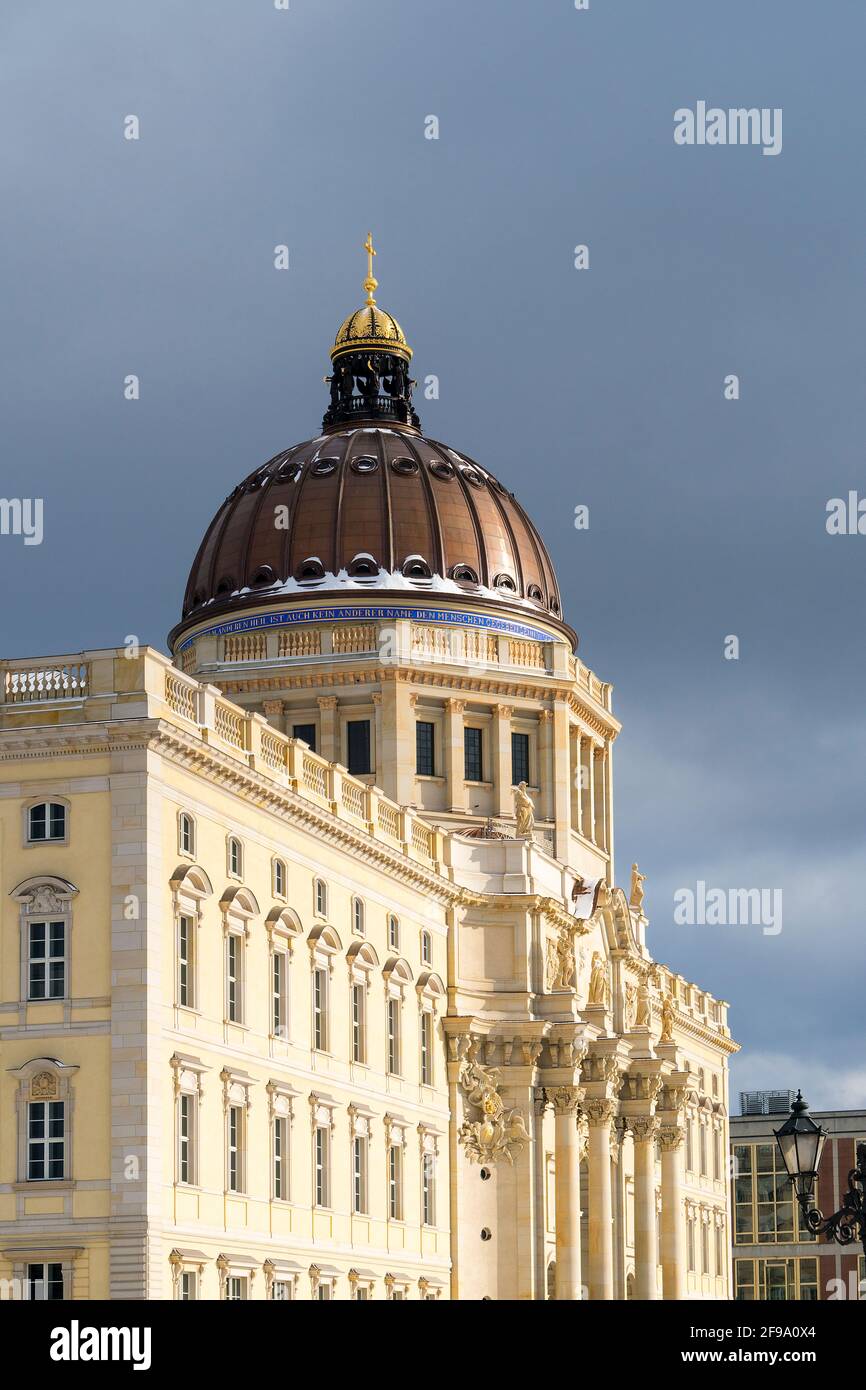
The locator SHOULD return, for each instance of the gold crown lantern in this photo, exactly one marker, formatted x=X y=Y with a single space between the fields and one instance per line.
x=371 y=328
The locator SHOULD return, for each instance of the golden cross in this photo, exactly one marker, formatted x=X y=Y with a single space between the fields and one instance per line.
x=371 y=283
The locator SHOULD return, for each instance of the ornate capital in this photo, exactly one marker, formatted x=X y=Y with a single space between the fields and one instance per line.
x=564 y=1099
x=455 y=706
x=272 y=707
x=545 y=716
x=644 y=1128
x=327 y=701
x=671 y=1137
x=599 y=1112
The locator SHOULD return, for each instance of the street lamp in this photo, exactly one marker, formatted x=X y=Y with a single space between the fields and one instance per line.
x=801 y=1142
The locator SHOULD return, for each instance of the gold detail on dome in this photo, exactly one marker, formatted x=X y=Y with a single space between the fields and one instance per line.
x=371 y=283
x=371 y=327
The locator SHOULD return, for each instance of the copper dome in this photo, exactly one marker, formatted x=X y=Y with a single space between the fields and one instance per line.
x=370 y=507
x=370 y=504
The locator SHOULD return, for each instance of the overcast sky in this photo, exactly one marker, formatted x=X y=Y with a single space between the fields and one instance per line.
x=601 y=387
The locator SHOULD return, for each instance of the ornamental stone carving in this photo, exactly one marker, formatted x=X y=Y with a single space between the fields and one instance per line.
x=43 y=1086
x=524 y=812
x=642 y=1011
x=564 y=1099
x=671 y=1137
x=599 y=1112
x=500 y=1133
x=667 y=1019
x=644 y=1128
x=630 y=1008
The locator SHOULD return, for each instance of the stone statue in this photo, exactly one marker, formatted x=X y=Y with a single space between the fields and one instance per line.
x=630 y=1011
x=599 y=988
x=642 y=1014
x=667 y=1019
x=637 y=882
x=524 y=812
x=560 y=960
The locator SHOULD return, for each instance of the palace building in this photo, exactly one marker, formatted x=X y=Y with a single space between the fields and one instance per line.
x=316 y=981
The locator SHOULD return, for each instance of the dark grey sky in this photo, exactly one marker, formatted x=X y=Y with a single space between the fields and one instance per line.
x=602 y=387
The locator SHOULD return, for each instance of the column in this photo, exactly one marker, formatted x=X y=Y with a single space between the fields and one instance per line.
x=561 y=781
x=545 y=764
x=600 y=1113
x=567 y=1178
x=587 y=778
x=500 y=758
x=598 y=778
x=455 y=792
x=328 y=744
x=576 y=793
x=644 y=1130
x=674 y=1256
x=376 y=697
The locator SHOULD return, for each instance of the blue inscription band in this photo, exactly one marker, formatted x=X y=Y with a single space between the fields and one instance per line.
x=295 y=616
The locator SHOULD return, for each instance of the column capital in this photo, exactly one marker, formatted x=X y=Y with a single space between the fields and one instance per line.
x=599 y=1112
x=503 y=711
x=455 y=706
x=326 y=701
x=644 y=1128
x=545 y=716
x=671 y=1137
x=564 y=1099
x=377 y=697
x=272 y=707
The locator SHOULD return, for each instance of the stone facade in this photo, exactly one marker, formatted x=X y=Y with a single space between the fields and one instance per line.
x=323 y=1035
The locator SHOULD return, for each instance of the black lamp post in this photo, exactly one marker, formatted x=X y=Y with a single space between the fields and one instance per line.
x=801 y=1142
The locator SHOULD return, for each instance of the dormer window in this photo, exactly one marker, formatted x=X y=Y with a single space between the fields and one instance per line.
x=416 y=567
x=310 y=570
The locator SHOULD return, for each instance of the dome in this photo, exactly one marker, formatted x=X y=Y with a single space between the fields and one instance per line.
x=371 y=327
x=370 y=508
x=370 y=504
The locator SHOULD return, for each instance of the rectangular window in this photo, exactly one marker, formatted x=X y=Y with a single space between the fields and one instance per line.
x=691 y=1246
x=395 y=1182
x=690 y=1147
x=235 y=857
x=358 y=917
x=279 y=995
x=236 y=1136
x=44 y=1282
x=703 y=1139
x=359 y=1174
x=282 y=1291
x=281 y=1154
x=323 y=1294
x=720 y=1250
x=424 y=764
x=428 y=1206
x=47 y=960
x=234 y=965
x=47 y=821
x=320 y=1009
x=426 y=948
x=186 y=837
x=705 y=1248
x=472 y=763
x=394 y=1036
x=358 y=746
x=359 y=1032
x=323 y=1177
x=46 y=1140
x=307 y=732
x=185 y=942
x=186 y=1139
x=188 y=1290
x=519 y=758
x=321 y=897
x=394 y=932
x=236 y=1288
x=426 y=1048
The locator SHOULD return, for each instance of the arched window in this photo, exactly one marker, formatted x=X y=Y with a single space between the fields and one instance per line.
x=235 y=857
x=324 y=945
x=283 y=926
x=320 y=895
x=239 y=907
x=426 y=948
x=398 y=976
x=393 y=932
x=186 y=834
x=362 y=961
x=190 y=886
x=358 y=917
x=431 y=993
x=280 y=878
x=47 y=821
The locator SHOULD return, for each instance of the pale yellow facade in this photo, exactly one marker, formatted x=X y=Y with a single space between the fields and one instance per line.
x=316 y=1036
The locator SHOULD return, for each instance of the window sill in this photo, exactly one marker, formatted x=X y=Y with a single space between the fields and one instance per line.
x=430 y=777
x=58 y=999
x=43 y=1185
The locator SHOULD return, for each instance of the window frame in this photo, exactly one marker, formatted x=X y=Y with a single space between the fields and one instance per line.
x=473 y=729
x=425 y=748
x=186 y=830
x=36 y=803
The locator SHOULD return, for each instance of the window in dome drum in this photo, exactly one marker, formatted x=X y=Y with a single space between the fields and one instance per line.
x=519 y=758
x=424 y=765
x=472 y=765
x=358 y=746
x=307 y=732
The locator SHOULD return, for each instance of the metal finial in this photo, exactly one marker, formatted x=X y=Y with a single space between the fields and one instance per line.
x=371 y=283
